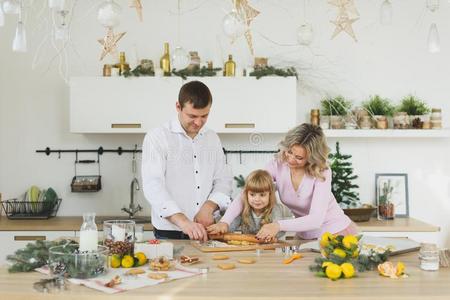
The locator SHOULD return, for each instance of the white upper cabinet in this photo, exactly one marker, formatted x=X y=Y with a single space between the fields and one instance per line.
x=121 y=105
x=247 y=104
x=135 y=105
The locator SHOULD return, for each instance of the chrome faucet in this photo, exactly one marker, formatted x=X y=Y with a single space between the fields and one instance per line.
x=131 y=210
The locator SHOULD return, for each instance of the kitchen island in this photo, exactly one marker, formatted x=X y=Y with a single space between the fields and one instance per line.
x=268 y=278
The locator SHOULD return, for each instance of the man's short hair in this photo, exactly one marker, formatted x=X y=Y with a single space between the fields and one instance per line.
x=195 y=92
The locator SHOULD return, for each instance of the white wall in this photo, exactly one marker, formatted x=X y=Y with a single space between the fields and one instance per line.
x=392 y=61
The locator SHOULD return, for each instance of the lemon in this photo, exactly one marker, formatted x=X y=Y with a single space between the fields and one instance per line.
x=141 y=258
x=115 y=261
x=400 y=270
x=333 y=271
x=348 y=270
x=326 y=264
x=339 y=252
x=349 y=241
x=325 y=239
x=127 y=261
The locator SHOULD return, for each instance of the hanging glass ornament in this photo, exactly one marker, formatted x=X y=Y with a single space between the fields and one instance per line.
x=305 y=34
x=434 y=44
x=180 y=58
x=61 y=29
x=433 y=5
x=233 y=25
x=386 y=13
x=20 y=39
x=56 y=4
x=2 y=16
x=11 y=7
x=109 y=14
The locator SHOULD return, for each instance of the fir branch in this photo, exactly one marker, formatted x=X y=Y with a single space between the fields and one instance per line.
x=272 y=71
x=139 y=71
x=196 y=71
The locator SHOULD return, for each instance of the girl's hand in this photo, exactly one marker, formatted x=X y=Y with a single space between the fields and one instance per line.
x=218 y=228
x=268 y=232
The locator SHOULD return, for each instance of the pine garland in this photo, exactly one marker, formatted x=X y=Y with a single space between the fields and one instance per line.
x=196 y=71
x=139 y=71
x=342 y=178
x=272 y=71
x=33 y=256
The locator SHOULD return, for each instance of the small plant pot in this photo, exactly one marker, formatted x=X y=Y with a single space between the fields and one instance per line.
x=386 y=211
x=381 y=122
x=365 y=122
x=336 y=122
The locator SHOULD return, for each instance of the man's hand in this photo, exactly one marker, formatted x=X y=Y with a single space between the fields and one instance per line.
x=205 y=214
x=194 y=230
x=218 y=228
x=268 y=232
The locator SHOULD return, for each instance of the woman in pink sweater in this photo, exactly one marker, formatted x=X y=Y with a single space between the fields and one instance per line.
x=303 y=181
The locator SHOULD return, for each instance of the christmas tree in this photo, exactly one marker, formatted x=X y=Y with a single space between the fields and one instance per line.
x=342 y=184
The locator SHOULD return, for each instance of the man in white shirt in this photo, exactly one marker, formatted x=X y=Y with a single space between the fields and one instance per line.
x=184 y=174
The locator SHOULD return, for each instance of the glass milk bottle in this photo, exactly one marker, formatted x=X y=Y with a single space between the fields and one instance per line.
x=88 y=233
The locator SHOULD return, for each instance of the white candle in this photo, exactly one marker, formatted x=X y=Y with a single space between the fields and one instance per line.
x=88 y=240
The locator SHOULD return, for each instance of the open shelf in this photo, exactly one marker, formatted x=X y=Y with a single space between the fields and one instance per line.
x=388 y=133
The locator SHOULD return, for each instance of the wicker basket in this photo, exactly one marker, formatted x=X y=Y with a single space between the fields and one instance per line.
x=360 y=214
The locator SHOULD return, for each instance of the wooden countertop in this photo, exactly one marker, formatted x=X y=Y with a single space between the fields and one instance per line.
x=74 y=223
x=52 y=224
x=268 y=278
x=396 y=225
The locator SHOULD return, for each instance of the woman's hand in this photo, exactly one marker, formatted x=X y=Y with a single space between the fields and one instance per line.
x=268 y=232
x=218 y=228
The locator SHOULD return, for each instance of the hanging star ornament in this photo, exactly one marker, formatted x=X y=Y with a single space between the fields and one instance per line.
x=347 y=15
x=138 y=6
x=247 y=14
x=109 y=42
x=344 y=23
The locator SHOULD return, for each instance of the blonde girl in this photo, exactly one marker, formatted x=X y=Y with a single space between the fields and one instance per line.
x=259 y=206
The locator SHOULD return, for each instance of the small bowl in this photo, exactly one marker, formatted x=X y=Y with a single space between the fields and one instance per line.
x=67 y=261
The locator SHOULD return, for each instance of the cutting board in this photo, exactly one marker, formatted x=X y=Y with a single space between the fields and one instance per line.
x=206 y=248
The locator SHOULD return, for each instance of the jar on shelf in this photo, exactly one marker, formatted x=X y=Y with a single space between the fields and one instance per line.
x=118 y=236
x=315 y=117
x=365 y=122
x=429 y=257
x=325 y=122
x=401 y=120
x=436 y=118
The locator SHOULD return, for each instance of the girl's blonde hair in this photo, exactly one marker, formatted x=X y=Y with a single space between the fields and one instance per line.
x=311 y=138
x=258 y=181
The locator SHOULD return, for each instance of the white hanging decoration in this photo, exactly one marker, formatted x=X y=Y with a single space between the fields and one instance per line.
x=434 y=44
x=11 y=7
x=2 y=17
x=20 y=39
x=56 y=4
x=109 y=14
x=61 y=27
x=233 y=25
x=305 y=34
x=386 y=13
x=180 y=58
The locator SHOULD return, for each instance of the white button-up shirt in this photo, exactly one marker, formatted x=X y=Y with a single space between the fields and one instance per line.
x=180 y=173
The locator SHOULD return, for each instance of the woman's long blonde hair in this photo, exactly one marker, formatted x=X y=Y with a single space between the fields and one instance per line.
x=258 y=181
x=311 y=138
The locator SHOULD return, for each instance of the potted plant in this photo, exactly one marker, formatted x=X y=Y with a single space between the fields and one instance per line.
x=385 y=205
x=416 y=109
x=343 y=187
x=379 y=108
x=336 y=109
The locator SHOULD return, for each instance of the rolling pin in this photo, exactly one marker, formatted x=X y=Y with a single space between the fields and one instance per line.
x=235 y=237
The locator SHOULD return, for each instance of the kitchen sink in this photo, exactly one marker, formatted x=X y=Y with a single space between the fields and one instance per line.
x=138 y=220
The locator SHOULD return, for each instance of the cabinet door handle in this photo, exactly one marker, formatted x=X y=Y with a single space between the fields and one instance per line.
x=126 y=125
x=239 y=125
x=30 y=237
